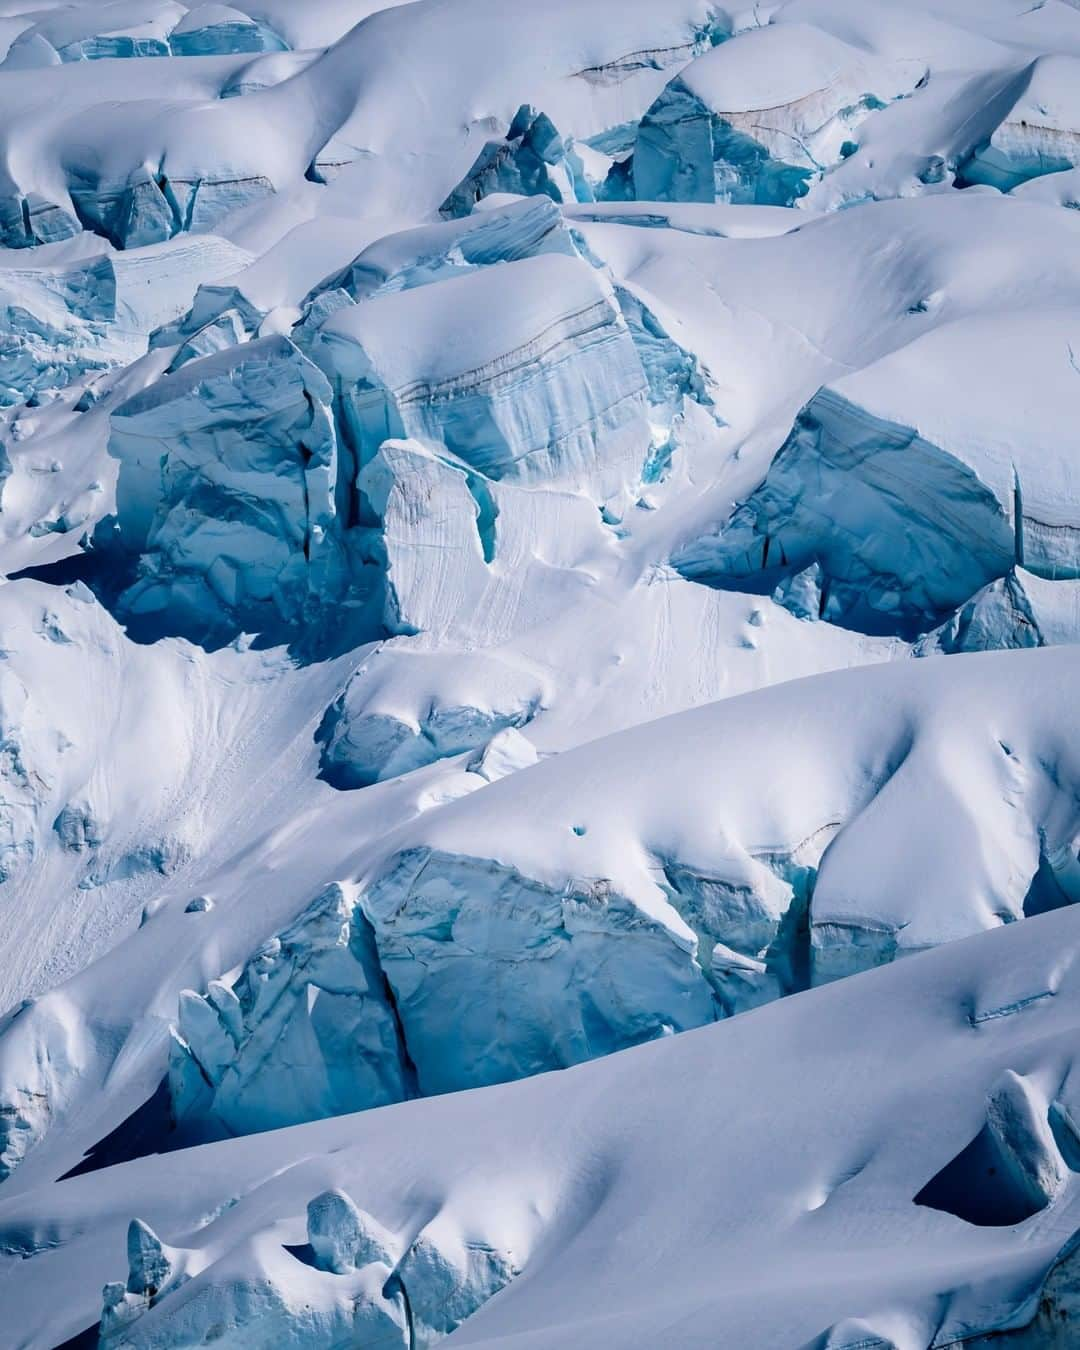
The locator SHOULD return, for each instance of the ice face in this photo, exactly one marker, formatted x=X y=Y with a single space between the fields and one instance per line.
x=551 y=391
x=395 y=714
x=870 y=520
x=530 y=161
x=313 y=1004
x=459 y=932
x=907 y=521
x=1020 y=610
x=244 y=437
x=417 y=257
x=756 y=120
x=1038 y=134
x=220 y=30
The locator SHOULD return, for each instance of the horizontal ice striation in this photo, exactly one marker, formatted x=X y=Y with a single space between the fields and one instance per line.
x=115 y=29
x=528 y=977
x=1019 y=610
x=353 y=1282
x=311 y=1005
x=220 y=30
x=147 y=208
x=526 y=371
x=395 y=715
x=1039 y=132
x=918 y=481
x=227 y=491
x=758 y=118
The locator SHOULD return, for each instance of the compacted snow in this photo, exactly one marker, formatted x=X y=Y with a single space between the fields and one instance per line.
x=539 y=738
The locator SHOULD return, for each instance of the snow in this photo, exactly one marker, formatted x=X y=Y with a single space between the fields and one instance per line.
x=539 y=619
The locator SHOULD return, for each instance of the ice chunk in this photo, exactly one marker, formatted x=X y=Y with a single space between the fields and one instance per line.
x=756 y=119
x=213 y=29
x=211 y=305
x=530 y=977
x=801 y=593
x=342 y=1236
x=531 y=159
x=310 y=1007
x=154 y=1270
x=526 y=370
x=1038 y=134
x=77 y=828
x=1020 y=610
x=918 y=481
x=387 y=721
x=447 y=1279
x=228 y=489
x=261 y=1297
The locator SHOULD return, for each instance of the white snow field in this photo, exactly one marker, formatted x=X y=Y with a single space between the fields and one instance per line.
x=539 y=666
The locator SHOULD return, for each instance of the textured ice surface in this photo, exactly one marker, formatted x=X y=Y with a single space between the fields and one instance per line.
x=756 y=120
x=547 y=387
x=909 y=513
x=227 y=492
x=310 y=1005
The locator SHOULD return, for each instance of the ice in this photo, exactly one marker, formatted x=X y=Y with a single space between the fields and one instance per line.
x=550 y=390
x=506 y=753
x=119 y=28
x=218 y=30
x=755 y=119
x=227 y=492
x=522 y=228
x=1040 y=132
x=531 y=160
x=311 y=1005
x=1020 y=610
x=342 y=1237
x=538 y=733
x=389 y=719
x=909 y=514
x=468 y=934
x=430 y=534
x=580 y=1182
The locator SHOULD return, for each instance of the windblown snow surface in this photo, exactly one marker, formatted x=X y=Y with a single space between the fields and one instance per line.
x=539 y=717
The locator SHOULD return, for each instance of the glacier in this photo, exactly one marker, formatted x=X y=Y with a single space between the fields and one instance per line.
x=539 y=603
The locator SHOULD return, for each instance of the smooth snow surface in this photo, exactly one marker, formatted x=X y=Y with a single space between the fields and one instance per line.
x=539 y=648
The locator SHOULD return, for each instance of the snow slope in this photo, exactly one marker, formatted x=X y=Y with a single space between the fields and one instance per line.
x=703 y=1204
